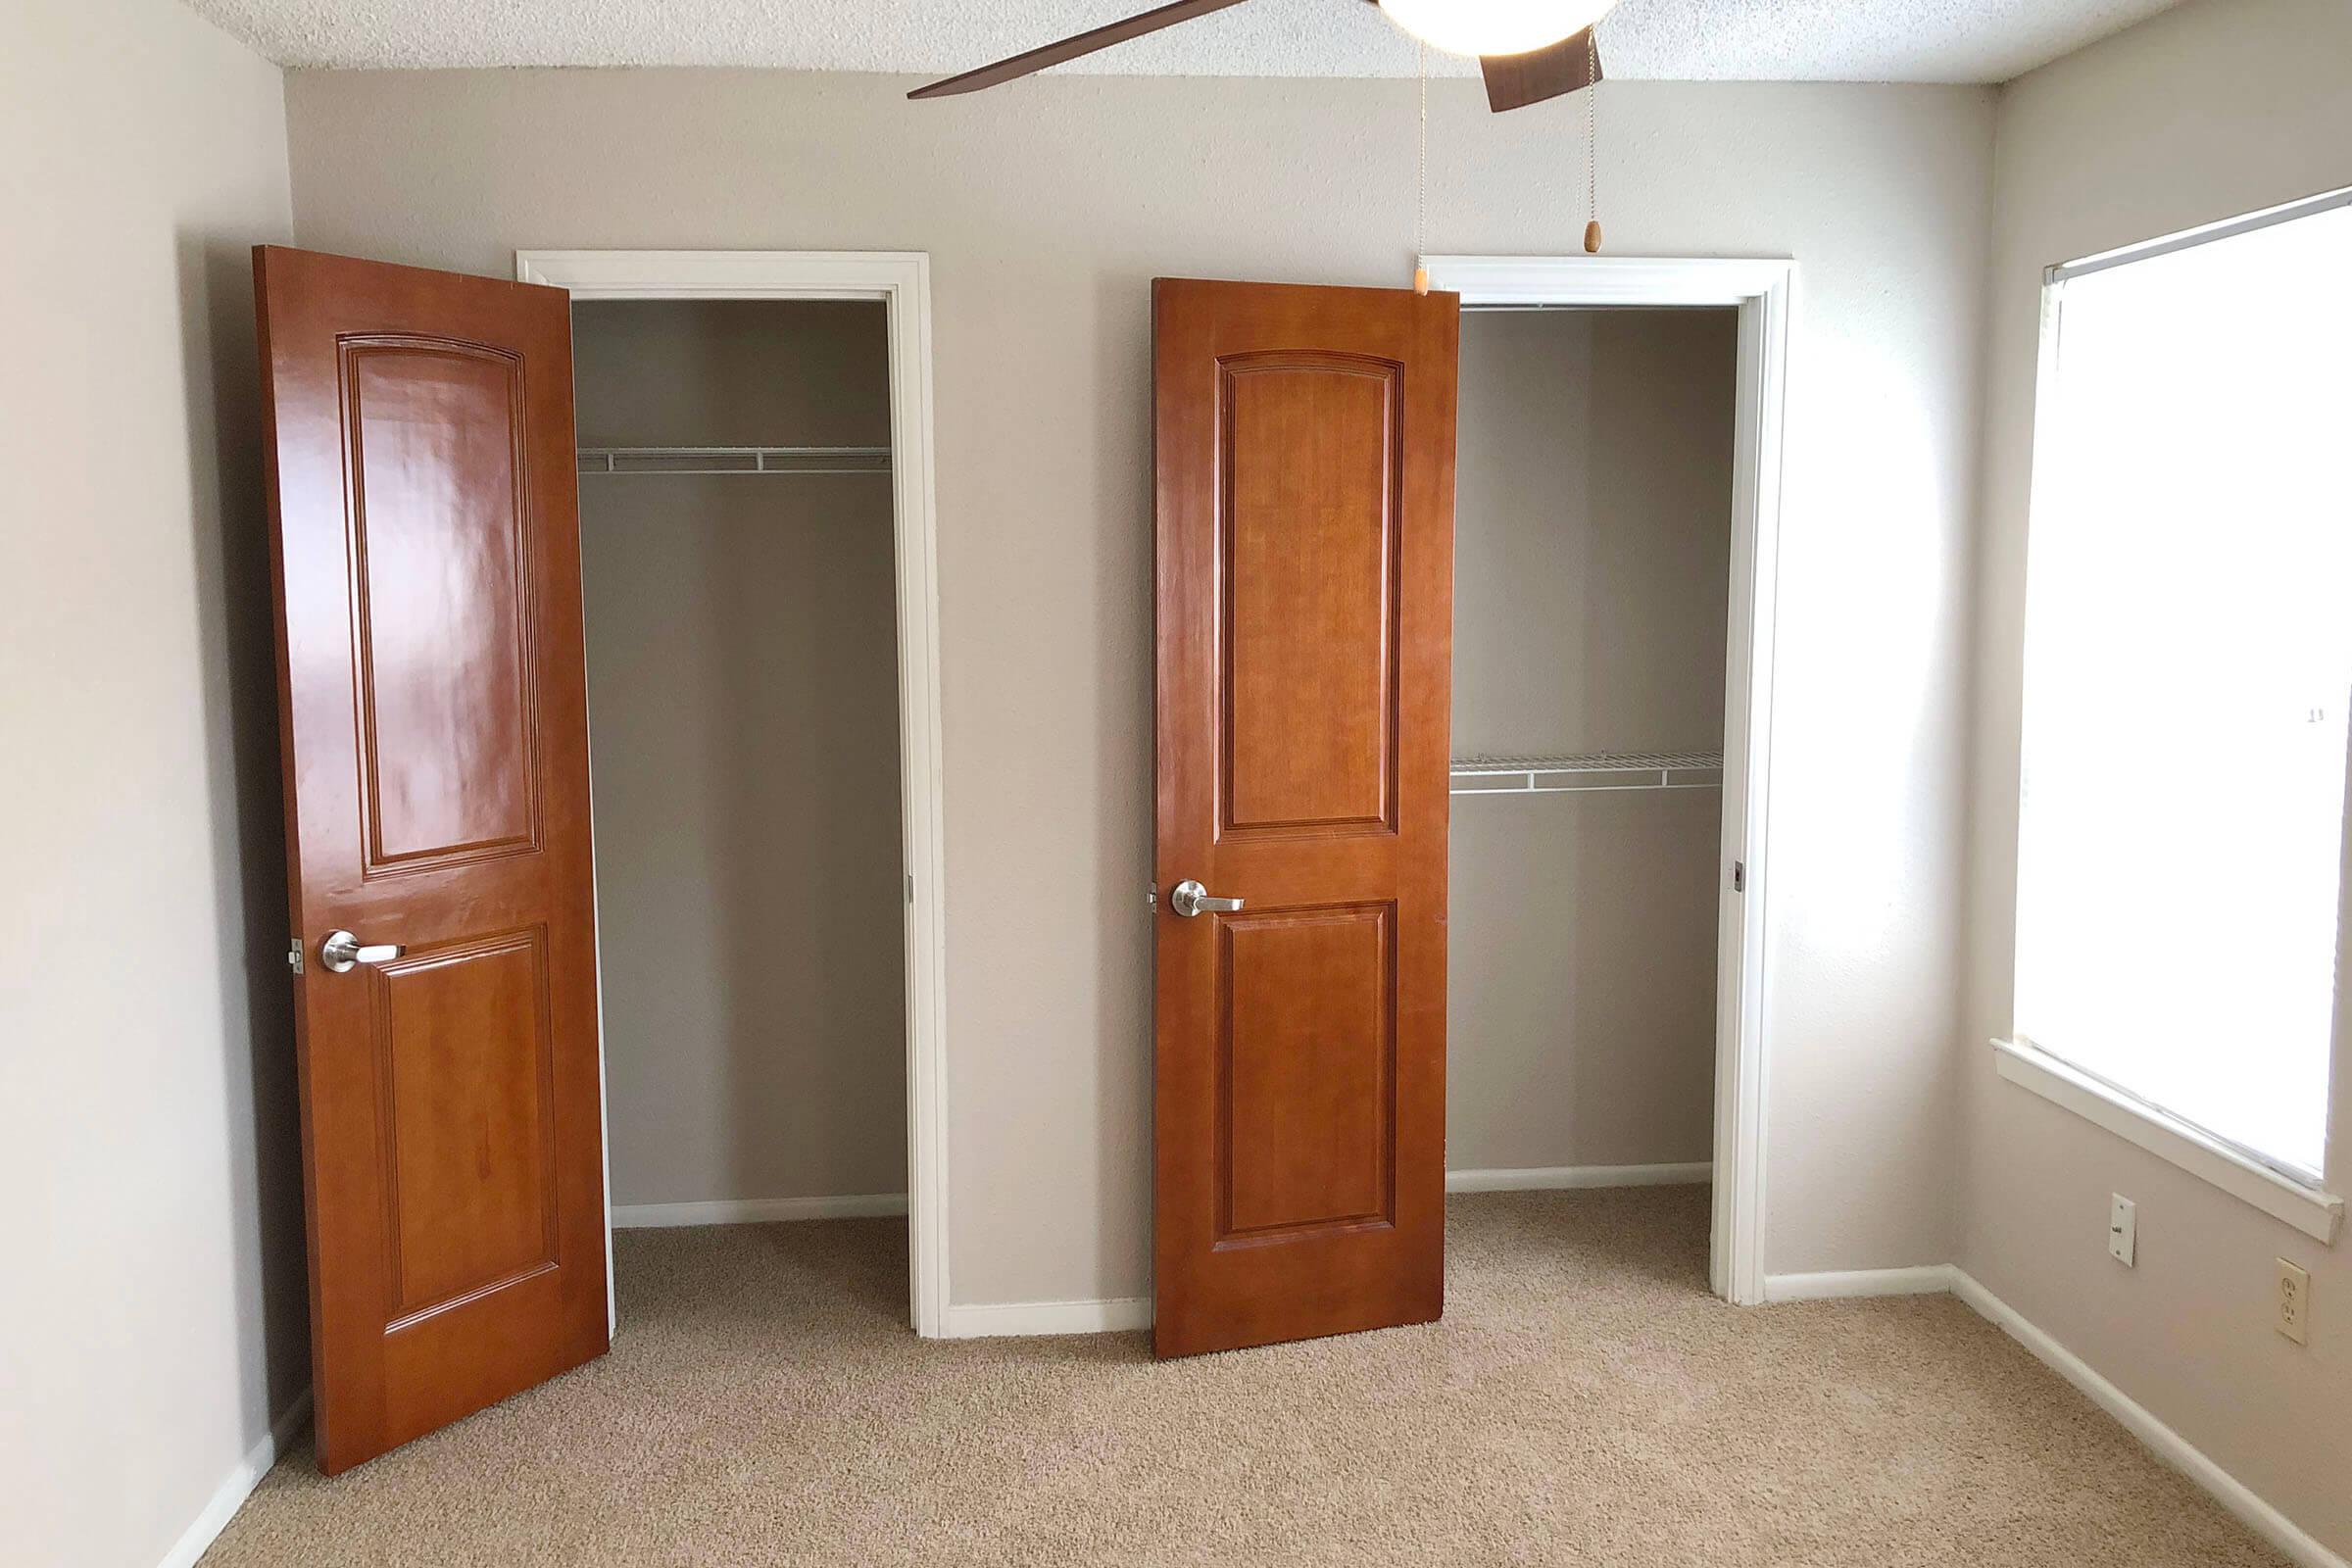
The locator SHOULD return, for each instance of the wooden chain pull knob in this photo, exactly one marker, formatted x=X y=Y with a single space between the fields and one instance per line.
x=1420 y=279
x=1593 y=237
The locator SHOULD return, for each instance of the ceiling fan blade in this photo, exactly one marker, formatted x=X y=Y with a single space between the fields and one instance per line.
x=1513 y=81
x=1070 y=48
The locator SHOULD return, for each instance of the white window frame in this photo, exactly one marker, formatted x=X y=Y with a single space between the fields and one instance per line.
x=2286 y=1196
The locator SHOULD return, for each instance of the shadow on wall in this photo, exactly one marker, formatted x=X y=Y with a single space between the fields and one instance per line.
x=1123 y=593
x=742 y=713
x=1592 y=597
x=230 y=546
x=826 y=964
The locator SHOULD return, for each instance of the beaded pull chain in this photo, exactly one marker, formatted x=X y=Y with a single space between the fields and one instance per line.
x=1592 y=145
x=1421 y=187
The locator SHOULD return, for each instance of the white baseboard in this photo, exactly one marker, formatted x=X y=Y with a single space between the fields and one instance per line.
x=755 y=1210
x=1117 y=1316
x=1552 y=1178
x=2167 y=1445
x=1841 y=1284
x=238 y=1485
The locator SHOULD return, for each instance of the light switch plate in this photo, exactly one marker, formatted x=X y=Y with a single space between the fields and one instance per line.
x=2123 y=1230
x=2294 y=1302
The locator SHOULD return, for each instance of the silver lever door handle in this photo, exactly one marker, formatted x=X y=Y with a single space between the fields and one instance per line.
x=341 y=950
x=1191 y=899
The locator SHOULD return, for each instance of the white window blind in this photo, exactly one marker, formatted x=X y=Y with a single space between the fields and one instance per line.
x=2189 y=667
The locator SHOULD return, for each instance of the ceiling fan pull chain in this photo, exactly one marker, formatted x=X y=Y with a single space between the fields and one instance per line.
x=1421 y=187
x=1592 y=146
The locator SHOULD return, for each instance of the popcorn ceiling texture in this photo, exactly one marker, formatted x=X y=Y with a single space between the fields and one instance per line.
x=1660 y=41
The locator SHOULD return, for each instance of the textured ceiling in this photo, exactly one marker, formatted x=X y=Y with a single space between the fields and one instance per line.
x=1755 y=40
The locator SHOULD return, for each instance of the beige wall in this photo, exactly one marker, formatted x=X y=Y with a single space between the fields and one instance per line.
x=742 y=708
x=1047 y=210
x=2216 y=109
x=1592 y=579
x=152 y=1291
x=732 y=372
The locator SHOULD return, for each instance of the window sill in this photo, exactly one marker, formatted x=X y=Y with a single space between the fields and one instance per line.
x=2314 y=1213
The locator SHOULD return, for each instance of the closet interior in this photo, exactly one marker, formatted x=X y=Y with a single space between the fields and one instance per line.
x=1592 y=565
x=740 y=595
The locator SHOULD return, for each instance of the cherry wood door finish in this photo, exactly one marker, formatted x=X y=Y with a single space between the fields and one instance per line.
x=432 y=702
x=1306 y=450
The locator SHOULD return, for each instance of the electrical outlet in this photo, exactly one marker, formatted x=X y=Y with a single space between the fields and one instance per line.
x=2294 y=1302
x=2122 y=1229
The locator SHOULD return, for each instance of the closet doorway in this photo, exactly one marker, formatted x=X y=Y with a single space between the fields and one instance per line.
x=756 y=544
x=1616 y=518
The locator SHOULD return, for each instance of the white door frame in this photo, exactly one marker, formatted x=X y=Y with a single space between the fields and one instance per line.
x=1760 y=290
x=902 y=282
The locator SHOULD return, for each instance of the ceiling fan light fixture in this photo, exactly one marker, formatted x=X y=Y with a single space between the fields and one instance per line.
x=1492 y=27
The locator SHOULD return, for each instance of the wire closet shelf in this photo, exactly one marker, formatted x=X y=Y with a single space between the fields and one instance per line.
x=734 y=460
x=1597 y=770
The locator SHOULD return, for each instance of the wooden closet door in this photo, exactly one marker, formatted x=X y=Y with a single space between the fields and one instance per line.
x=1305 y=452
x=433 y=706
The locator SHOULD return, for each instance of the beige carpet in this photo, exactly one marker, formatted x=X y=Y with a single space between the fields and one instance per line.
x=1585 y=1402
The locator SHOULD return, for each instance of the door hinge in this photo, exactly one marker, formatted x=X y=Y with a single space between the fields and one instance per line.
x=294 y=954
x=911 y=887
x=1739 y=876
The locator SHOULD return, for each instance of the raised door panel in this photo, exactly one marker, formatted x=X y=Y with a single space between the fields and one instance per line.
x=1304 y=485
x=440 y=509
x=1308 y=575
x=432 y=697
x=465 y=1052
x=1306 y=1074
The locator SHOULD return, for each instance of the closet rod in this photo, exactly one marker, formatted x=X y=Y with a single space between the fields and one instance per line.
x=734 y=460
x=1597 y=770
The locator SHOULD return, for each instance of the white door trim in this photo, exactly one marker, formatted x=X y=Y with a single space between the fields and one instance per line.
x=1761 y=290
x=902 y=281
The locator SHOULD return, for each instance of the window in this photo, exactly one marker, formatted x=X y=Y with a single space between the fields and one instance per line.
x=2188 y=665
